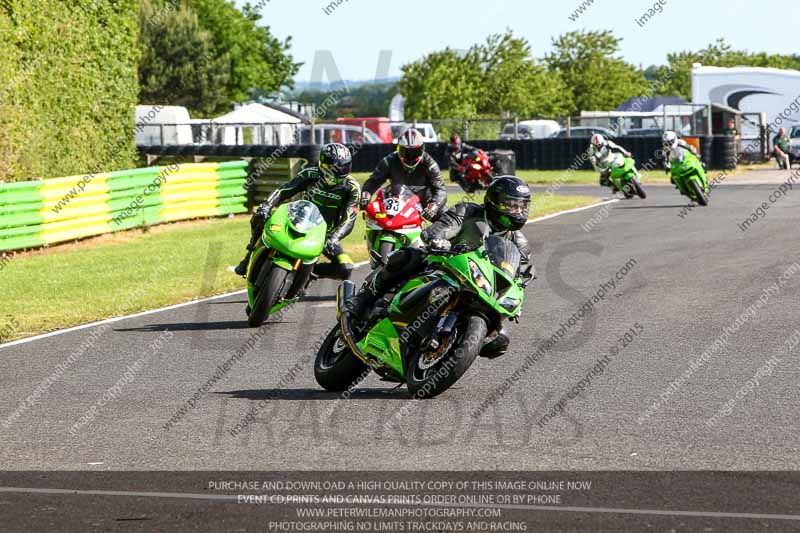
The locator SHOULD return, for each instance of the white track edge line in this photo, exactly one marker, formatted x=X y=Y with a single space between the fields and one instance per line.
x=242 y=291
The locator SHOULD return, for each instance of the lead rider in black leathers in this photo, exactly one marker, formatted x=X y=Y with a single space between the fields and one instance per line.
x=505 y=209
x=330 y=187
x=411 y=166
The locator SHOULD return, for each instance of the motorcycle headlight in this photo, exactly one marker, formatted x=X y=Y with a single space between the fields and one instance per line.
x=479 y=279
x=509 y=304
x=476 y=166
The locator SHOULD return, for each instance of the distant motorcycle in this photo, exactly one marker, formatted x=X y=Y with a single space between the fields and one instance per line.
x=281 y=264
x=475 y=171
x=690 y=177
x=393 y=221
x=623 y=176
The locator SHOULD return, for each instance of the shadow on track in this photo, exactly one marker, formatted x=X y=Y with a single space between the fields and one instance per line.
x=678 y=206
x=193 y=326
x=400 y=393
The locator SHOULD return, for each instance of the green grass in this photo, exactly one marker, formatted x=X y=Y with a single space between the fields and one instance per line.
x=126 y=273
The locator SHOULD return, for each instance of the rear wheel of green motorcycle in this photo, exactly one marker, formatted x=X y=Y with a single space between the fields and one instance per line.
x=427 y=380
x=699 y=194
x=271 y=283
x=628 y=190
x=336 y=368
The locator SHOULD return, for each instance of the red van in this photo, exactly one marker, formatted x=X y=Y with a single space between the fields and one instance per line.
x=380 y=125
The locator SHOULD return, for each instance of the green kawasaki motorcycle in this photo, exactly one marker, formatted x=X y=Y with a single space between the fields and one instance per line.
x=281 y=264
x=431 y=330
x=690 y=177
x=624 y=177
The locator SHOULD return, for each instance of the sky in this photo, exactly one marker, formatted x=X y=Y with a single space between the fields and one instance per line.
x=356 y=31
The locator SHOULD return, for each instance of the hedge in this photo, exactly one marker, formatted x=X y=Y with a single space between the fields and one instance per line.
x=68 y=86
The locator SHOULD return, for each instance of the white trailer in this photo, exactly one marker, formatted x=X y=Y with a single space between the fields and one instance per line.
x=772 y=91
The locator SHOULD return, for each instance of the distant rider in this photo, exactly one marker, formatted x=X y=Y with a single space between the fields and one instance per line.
x=675 y=150
x=505 y=210
x=411 y=166
x=331 y=188
x=455 y=153
x=600 y=149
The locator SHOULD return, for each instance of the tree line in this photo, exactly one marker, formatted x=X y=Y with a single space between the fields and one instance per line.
x=502 y=76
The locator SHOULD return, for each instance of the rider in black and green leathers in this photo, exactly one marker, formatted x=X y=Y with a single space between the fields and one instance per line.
x=331 y=188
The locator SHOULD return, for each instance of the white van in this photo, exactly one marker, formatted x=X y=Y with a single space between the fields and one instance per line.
x=162 y=125
x=530 y=129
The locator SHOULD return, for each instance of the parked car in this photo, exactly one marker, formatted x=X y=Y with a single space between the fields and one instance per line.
x=429 y=134
x=338 y=133
x=644 y=132
x=379 y=125
x=529 y=129
x=584 y=132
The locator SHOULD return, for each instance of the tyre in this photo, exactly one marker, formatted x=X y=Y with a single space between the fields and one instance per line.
x=628 y=190
x=700 y=195
x=269 y=287
x=385 y=249
x=336 y=368
x=638 y=188
x=427 y=378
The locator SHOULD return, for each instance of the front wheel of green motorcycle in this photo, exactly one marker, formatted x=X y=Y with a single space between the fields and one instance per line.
x=336 y=368
x=429 y=374
x=638 y=188
x=700 y=195
x=267 y=295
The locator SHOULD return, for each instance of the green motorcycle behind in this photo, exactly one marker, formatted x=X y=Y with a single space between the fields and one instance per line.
x=624 y=176
x=430 y=331
x=690 y=177
x=281 y=264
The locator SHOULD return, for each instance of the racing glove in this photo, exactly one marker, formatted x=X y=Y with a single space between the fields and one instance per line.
x=330 y=247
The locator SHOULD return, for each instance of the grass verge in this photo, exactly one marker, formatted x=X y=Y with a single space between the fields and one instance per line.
x=125 y=273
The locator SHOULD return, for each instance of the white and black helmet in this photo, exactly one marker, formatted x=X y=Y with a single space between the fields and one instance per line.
x=335 y=162
x=670 y=139
x=411 y=148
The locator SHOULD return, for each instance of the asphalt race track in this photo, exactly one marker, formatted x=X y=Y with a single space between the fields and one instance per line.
x=706 y=378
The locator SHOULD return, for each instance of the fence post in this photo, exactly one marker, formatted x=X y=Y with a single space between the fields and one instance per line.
x=465 y=129
x=516 y=127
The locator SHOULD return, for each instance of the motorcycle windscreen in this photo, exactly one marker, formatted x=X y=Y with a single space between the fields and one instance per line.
x=504 y=254
x=304 y=215
x=395 y=199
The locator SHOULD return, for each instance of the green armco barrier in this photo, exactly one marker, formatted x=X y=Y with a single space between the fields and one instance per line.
x=41 y=212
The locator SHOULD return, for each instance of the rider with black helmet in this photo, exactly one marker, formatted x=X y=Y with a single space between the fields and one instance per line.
x=331 y=188
x=505 y=208
x=411 y=166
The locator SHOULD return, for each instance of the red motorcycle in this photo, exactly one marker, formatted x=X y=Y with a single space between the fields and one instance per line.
x=393 y=221
x=475 y=171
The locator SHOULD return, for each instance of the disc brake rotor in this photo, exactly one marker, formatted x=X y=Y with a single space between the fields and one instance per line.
x=428 y=359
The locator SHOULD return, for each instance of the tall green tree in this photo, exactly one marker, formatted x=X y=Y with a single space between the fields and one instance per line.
x=493 y=78
x=259 y=61
x=179 y=64
x=597 y=78
x=208 y=54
